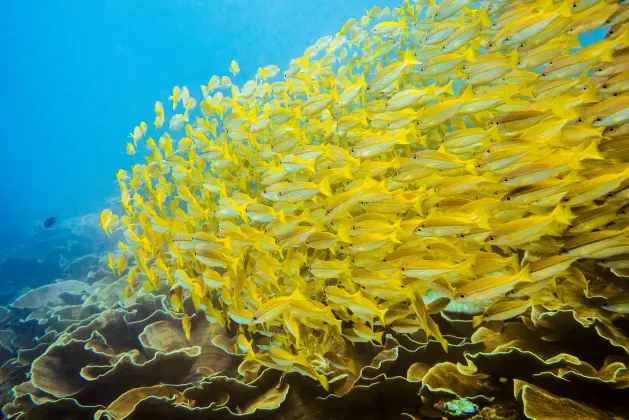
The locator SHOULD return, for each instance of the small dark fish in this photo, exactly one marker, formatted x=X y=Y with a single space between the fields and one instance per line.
x=49 y=222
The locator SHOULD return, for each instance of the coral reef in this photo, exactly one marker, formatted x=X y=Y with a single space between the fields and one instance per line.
x=109 y=360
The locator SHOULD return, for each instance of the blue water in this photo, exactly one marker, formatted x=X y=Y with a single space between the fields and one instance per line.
x=80 y=75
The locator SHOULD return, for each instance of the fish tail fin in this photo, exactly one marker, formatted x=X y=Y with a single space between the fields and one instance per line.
x=471 y=168
x=525 y=274
x=409 y=57
x=469 y=55
x=467 y=268
x=324 y=381
x=515 y=263
x=242 y=210
x=590 y=95
x=306 y=215
x=227 y=243
x=393 y=237
x=559 y=109
x=562 y=214
x=448 y=88
x=343 y=233
x=591 y=152
x=476 y=321
x=281 y=217
x=310 y=165
x=483 y=222
x=381 y=314
x=397 y=226
x=324 y=187
x=352 y=366
x=347 y=172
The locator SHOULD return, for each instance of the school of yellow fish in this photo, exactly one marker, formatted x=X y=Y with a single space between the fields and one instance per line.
x=425 y=157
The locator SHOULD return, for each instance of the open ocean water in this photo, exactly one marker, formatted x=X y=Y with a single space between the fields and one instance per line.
x=81 y=75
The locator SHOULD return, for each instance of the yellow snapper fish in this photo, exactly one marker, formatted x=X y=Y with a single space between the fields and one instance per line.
x=422 y=157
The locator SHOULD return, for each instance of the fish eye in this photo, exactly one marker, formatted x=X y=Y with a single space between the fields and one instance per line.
x=468 y=78
x=519 y=63
x=508 y=198
x=598 y=119
x=605 y=86
x=403 y=269
x=492 y=238
x=521 y=45
x=328 y=212
x=491 y=44
x=611 y=32
x=461 y=235
x=421 y=69
x=461 y=296
x=422 y=225
x=507 y=39
x=565 y=199
x=362 y=203
x=543 y=74
x=505 y=179
x=574 y=5
x=353 y=150
x=414 y=157
x=610 y=195
x=550 y=62
x=580 y=119
x=512 y=292
x=464 y=67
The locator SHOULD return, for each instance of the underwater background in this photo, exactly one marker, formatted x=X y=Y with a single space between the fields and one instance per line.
x=110 y=309
x=81 y=74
